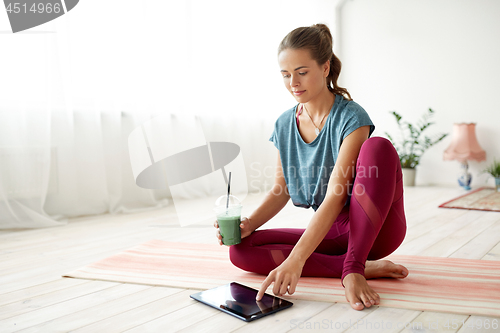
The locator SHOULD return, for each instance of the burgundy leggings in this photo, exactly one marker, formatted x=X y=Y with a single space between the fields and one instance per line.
x=371 y=227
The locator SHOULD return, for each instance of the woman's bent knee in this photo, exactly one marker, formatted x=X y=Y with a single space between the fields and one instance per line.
x=239 y=255
x=247 y=258
x=235 y=256
x=378 y=142
x=380 y=148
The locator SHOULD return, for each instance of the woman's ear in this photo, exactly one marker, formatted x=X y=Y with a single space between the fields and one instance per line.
x=326 y=68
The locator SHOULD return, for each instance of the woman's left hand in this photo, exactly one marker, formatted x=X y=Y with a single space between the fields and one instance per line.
x=285 y=278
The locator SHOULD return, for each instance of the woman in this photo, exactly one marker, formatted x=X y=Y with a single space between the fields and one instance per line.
x=327 y=161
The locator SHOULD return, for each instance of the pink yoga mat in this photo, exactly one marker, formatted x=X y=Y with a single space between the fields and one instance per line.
x=462 y=286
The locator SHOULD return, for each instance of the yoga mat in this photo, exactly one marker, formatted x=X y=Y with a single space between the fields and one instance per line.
x=484 y=198
x=462 y=286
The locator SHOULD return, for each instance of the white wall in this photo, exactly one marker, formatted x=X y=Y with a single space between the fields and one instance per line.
x=182 y=56
x=410 y=55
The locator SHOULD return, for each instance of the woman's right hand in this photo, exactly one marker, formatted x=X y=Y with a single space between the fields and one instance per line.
x=245 y=228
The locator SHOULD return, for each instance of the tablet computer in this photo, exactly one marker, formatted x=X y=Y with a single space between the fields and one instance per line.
x=239 y=300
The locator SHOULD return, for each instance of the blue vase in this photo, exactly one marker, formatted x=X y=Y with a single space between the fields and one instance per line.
x=465 y=177
x=497 y=183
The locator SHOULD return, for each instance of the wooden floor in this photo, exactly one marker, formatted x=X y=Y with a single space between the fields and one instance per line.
x=34 y=297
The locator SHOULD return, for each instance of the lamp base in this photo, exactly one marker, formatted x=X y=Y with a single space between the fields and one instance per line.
x=465 y=177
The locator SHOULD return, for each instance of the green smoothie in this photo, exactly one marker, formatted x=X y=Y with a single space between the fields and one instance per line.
x=229 y=227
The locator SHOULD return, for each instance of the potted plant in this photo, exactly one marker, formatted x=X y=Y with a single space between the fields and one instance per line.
x=413 y=144
x=494 y=170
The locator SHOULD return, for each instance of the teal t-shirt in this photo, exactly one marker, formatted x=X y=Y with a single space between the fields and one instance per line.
x=307 y=166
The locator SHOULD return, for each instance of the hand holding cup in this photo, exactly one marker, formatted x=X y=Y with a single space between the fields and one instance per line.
x=245 y=229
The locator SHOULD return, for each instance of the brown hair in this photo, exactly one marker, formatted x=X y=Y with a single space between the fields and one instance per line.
x=318 y=40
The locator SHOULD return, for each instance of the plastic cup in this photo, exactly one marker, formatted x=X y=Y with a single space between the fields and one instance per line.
x=229 y=219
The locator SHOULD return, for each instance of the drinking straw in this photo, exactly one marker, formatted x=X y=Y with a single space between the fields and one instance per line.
x=228 y=188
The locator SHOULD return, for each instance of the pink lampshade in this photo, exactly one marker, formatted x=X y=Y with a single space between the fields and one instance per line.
x=464 y=145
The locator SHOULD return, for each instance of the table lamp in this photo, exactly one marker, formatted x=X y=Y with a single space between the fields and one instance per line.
x=464 y=147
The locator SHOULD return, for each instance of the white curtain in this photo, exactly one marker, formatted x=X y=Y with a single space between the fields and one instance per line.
x=74 y=88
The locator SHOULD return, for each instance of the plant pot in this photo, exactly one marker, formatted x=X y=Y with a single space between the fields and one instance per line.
x=497 y=183
x=408 y=176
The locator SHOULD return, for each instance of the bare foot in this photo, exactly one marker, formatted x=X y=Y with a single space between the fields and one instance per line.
x=358 y=293
x=384 y=268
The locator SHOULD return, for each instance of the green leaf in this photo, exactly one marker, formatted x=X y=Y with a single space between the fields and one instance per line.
x=398 y=117
x=424 y=126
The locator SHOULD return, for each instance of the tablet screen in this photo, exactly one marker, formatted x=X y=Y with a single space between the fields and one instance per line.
x=239 y=300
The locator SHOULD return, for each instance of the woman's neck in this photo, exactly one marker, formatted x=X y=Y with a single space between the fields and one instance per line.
x=321 y=104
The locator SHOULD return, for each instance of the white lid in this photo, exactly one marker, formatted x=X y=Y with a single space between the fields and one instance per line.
x=224 y=201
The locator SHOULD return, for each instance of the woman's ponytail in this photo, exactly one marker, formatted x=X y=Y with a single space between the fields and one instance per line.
x=331 y=80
